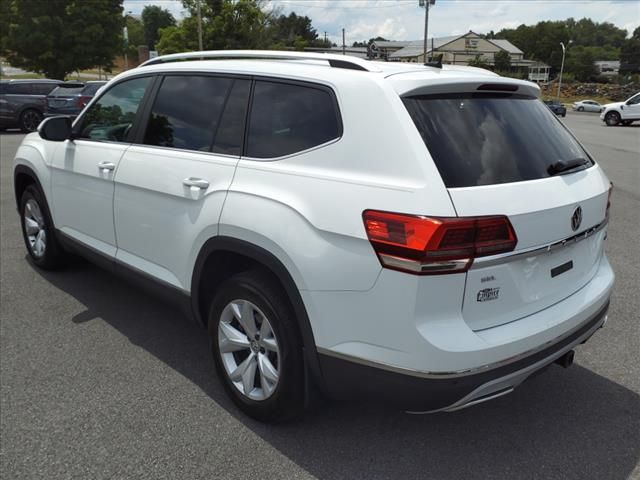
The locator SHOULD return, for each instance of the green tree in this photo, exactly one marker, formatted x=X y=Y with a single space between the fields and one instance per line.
x=208 y=8
x=502 y=61
x=478 y=61
x=292 y=28
x=579 y=62
x=238 y=24
x=181 y=38
x=630 y=52
x=5 y=14
x=135 y=33
x=57 y=37
x=542 y=40
x=154 y=18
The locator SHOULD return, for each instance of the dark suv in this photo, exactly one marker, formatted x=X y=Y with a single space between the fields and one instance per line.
x=556 y=107
x=70 y=98
x=22 y=102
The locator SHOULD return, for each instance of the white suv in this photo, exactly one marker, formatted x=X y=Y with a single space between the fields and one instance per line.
x=429 y=235
x=625 y=112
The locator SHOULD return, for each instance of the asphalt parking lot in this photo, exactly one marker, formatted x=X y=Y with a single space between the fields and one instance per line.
x=99 y=380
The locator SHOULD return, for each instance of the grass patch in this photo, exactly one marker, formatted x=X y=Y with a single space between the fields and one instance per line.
x=22 y=76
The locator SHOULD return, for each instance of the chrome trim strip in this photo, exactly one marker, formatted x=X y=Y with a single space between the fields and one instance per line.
x=418 y=267
x=602 y=313
x=483 y=262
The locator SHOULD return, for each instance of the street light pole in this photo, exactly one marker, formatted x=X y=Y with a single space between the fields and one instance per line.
x=564 y=50
x=125 y=36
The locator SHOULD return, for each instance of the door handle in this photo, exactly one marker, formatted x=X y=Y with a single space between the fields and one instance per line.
x=200 y=183
x=107 y=166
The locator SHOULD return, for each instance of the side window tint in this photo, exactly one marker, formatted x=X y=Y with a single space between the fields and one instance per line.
x=187 y=111
x=43 y=88
x=112 y=116
x=230 y=132
x=290 y=118
x=21 y=88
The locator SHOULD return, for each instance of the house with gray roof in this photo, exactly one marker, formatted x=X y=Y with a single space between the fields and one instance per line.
x=460 y=49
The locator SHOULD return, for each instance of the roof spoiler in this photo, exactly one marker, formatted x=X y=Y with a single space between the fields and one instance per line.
x=336 y=61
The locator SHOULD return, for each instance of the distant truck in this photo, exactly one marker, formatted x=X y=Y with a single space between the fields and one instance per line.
x=624 y=113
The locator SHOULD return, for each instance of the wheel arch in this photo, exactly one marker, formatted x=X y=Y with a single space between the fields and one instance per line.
x=220 y=257
x=22 y=177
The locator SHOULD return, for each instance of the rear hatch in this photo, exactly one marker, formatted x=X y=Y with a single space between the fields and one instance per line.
x=65 y=99
x=502 y=153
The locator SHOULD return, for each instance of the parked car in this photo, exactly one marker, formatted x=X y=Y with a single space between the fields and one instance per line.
x=22 y=102
x=556 y=107
x=625 y=112
x=70 y=98
x=587 y=106
x=436 y=266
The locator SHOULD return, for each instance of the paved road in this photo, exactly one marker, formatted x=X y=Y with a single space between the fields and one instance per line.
x=99 y=380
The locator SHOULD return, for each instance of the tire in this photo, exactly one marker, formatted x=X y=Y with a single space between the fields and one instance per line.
x=277 y=354
x=564 y=114
x=38 y=232
x=581 y=109
x=612 y=119
x=29 y=120
x=626 y=123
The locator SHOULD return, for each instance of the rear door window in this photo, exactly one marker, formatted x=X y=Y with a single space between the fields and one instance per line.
x=289 y=118
x=187 y=111
x=490 y=139
x=230 y=130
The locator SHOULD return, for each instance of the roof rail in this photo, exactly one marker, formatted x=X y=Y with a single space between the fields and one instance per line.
x=336 y=61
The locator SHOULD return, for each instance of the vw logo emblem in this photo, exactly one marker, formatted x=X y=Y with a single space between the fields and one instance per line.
x=576 y=219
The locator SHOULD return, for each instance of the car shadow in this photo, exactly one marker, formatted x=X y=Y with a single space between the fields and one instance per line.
x=561 y=424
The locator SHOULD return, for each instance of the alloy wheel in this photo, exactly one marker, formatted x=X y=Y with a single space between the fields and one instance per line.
x=249 y=349
x=30 y=120
x=612 y=119
x=34 y=228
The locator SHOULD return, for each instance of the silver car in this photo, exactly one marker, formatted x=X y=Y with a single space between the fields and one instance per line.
x=587 y=106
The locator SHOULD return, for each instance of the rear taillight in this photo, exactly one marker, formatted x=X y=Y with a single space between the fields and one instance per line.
x=436 y=245
x=82 y=101
x=609 y=200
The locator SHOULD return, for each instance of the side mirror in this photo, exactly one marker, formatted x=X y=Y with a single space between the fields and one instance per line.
x=56 y=129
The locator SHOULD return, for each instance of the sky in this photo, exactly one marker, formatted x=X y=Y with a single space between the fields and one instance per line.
x=404 y=19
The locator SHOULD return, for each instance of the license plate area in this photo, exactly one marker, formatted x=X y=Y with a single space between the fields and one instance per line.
x=504 y=292
x=560 y=269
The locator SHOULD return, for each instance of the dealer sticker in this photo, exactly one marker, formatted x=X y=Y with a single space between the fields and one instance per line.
x=487 y=294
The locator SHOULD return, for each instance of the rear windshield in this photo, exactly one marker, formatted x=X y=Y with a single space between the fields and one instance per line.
x=91 y=88
x=489 y=139
x=65 y=91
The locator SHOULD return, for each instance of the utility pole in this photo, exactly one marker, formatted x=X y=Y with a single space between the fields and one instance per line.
x=199 y=25
x=343 y=45
x=425 y=4
x=325 y=39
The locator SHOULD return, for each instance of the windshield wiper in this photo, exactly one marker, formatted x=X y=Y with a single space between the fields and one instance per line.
x=564 y=166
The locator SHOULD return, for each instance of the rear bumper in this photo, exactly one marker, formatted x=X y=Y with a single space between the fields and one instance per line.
x=347 y=377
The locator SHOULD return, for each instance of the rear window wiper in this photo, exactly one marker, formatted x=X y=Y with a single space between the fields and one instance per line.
x=564 y=166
